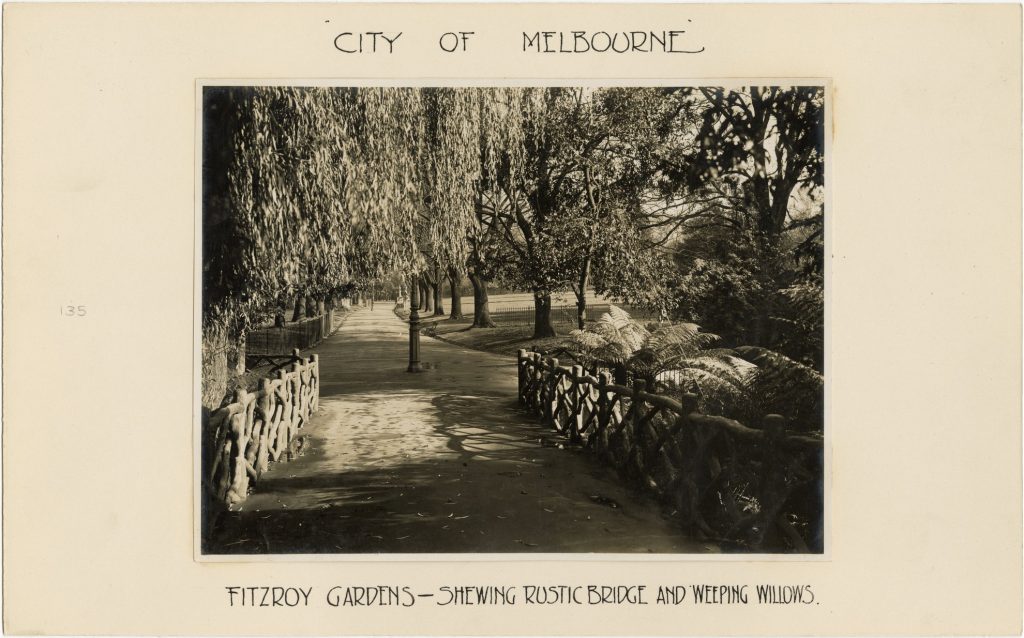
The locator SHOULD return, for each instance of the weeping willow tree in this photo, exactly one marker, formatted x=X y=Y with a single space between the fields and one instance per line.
x=309 y=189
x=450 y=171
x=475 y=139
x=305 y=191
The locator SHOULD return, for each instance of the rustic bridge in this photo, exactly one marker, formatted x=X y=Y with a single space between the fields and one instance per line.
x=443 y=461
x=756 y=487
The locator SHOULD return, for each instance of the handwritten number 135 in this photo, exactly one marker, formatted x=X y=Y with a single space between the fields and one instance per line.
x=72 y=311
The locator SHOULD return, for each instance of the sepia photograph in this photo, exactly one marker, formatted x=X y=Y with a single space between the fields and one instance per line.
x=422 y=319
x=440 y=319
x=512 y=320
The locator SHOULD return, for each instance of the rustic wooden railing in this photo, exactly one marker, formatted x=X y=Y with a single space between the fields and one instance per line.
x=758 y=489
x=242 y=439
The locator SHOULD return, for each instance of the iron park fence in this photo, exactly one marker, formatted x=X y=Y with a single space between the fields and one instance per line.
x=281 y=341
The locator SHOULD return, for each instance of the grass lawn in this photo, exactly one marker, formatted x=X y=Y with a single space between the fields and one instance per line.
x=513 y=313
x=505 y=340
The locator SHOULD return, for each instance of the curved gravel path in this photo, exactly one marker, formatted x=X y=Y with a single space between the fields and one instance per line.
x=440 y=462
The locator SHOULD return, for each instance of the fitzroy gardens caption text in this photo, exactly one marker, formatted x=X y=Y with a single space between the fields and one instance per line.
x=519 y=595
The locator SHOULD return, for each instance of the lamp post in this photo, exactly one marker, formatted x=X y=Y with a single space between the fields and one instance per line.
x=414 y=326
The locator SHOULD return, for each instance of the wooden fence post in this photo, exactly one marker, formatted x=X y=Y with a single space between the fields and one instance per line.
x=537 y=389
x=639 y=440
x=638 y=386
x=521 y=372
x=267 y=407
x=773 y=482
x=551 y=400
x=284 y=423
x=687 y=496
x=538 y=392
x=296 y=390
x=314 y=377
x=604 y=409
x=576 y=388
x=689 y=402
x=538 y=384
x=239 y=433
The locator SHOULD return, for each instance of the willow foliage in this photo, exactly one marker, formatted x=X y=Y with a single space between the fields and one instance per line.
x=309 y=188
x=453 y=170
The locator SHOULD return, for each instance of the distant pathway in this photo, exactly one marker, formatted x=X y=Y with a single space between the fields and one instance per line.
x=442 y=461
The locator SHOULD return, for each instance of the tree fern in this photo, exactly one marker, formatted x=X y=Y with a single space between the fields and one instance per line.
x=672 y=344
x=745 y=383
x=721 y=383
x=611 y=340
x=783 y=386
x=620 y=329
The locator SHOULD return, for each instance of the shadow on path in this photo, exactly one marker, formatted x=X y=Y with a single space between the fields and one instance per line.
x=440 y=462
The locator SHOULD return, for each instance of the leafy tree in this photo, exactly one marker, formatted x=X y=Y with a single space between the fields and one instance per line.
x=598 y=163
x=437 y=279
x=800 y=321
x=522 y=198
x=454 y=278
x=483 y=242
x=727 y=295
x=755 y=148
x=532 y=255
x=561 y=212
x=753 y=291
x=311 y=202
x=427 y=285
x=749 y=221
x=308 y=189
x=631 y=131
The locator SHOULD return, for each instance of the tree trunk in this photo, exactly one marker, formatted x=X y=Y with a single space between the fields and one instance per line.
x=438 y=292
x=481 y=305
x=438 y=299
x=453 y=284
x=581 y=295
x=542 y=326
x=428 y=298
x=310 y=306
x=297 y=314
x=423 y=289
x=581 y=310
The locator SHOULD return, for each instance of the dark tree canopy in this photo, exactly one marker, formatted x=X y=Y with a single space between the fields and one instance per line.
x=755 y=147
x=681 y=199
x=307 y=189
